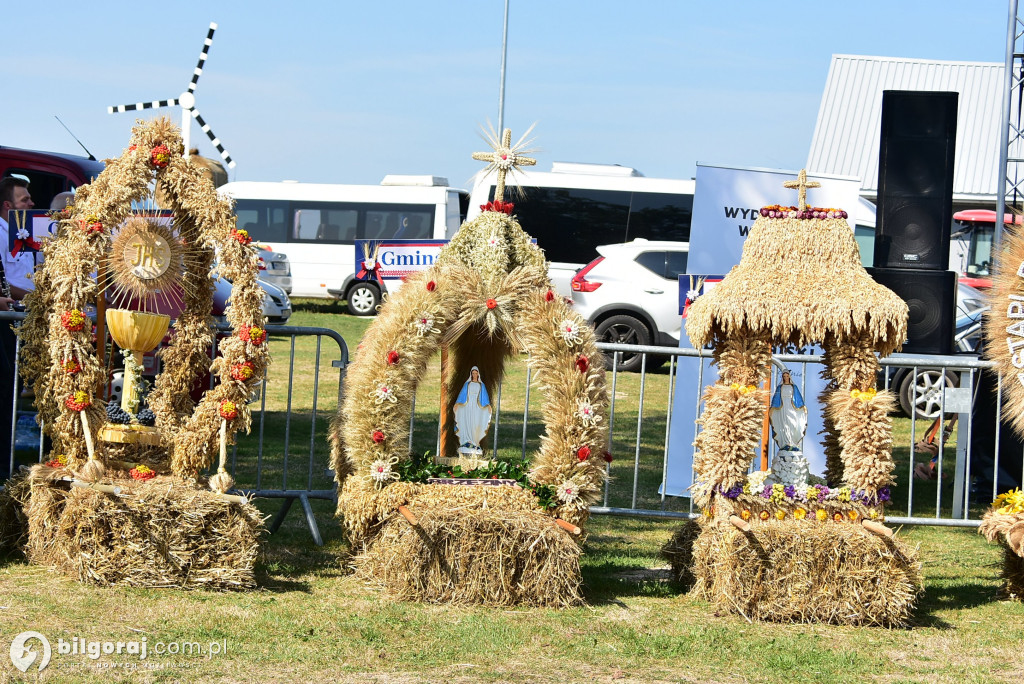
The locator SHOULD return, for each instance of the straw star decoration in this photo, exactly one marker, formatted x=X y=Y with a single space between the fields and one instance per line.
x=801 y=184
x=505 y=158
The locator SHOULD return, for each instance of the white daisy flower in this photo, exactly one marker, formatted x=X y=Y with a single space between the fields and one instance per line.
x=424 y=324
x=570 y=331
x=587 y=413
x=691 y=295
x=568 y=491
x=383 y=393
x=380 y=471
x=22 y=234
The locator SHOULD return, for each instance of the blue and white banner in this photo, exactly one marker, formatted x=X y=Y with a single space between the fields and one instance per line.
x=726 y=203
x=382 y=260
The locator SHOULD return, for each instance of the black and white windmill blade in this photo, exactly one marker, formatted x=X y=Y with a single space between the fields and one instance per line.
x=187 y=100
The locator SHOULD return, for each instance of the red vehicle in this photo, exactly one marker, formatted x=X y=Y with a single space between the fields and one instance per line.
x=973 y=231
x=48 y=173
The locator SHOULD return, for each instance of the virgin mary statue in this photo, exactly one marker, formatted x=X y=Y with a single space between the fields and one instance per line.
x=472 y=414
x=788 y=415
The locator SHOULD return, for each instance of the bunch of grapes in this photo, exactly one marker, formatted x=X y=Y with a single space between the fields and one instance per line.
x=116 y=414
x=146 y=417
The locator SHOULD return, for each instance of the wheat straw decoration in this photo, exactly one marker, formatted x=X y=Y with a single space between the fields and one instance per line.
x=488 y=298
x=776 y=552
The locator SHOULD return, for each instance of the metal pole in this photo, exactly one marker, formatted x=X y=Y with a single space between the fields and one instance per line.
x=504 y=56
x=1011 y=34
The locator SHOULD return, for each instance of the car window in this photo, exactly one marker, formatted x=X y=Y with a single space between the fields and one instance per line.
x=43 y=185
x=653 y=262
x=675 y=264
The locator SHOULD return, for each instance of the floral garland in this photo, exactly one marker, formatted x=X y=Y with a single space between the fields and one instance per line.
x=57 y=329
x=779 y=211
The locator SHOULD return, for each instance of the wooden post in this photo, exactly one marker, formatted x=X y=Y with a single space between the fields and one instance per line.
x=408 y=515
x=568 y=527
x=101 y=320
x=876 y=528
x=766 y=430
x=739 y=523
x=444 y=418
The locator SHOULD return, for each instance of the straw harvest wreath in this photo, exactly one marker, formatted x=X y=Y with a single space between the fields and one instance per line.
x=486 y=298
x=91 y=254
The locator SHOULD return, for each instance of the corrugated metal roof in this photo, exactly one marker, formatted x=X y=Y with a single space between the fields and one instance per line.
x=846 y=135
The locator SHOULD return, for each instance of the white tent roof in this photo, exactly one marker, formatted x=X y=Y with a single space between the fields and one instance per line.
x=846 y=135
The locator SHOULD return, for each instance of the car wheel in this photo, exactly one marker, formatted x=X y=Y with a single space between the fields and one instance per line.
x=363 y=299
x=623 y=329
x=924 y=402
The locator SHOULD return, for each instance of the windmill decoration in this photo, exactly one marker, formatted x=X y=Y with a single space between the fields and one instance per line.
x=187 y=100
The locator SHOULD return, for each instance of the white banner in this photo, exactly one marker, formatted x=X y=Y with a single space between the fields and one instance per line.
x=726 y=202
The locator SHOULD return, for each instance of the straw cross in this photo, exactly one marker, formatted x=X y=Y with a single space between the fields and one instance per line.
x=801 y=184
x=503 y=159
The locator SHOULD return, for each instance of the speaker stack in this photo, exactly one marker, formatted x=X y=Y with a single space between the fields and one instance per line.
x=915 y=213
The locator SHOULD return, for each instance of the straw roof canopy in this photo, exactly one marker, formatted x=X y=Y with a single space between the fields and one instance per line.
x=801 y=281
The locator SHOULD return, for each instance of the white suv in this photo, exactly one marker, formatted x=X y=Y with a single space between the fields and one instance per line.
x=630 y=294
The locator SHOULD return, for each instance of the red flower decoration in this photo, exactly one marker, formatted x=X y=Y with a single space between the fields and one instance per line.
x=142 y=472
x=241 y=236
x=582 y=363
x=491 y=303
x=243 y=372
x=253 y=333
x=378 y=436
x=431 y=286
x=503 y=207
x=549 y=297
x=228 y=410
x=72 y=366
x=73 y=320
x=160 y=156
x=393 y=357
x=79 y=401
x=584 y=453
x=132 y=148
x=607 y=457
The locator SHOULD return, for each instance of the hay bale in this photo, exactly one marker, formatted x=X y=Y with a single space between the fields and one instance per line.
x=1013 y=575
x=1008 y=530
x=156 y=534
x=678 y=551
x=792 y=571
x=13 y=523
x=474 y=556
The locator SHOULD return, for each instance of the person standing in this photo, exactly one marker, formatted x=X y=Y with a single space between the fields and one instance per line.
x=14 y=195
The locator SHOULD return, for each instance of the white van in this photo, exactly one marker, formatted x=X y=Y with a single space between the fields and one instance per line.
x=576 y=207
x=316 y=225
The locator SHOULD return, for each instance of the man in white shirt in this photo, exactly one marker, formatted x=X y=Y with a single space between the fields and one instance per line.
x=14 y=195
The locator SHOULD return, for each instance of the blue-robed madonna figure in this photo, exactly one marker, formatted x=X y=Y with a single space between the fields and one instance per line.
x=472 y=414
x=788 y=414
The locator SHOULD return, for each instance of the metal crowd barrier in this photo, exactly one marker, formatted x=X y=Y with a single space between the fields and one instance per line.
x=289 y=476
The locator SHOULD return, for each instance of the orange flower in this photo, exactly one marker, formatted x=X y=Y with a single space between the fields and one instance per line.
x=142 y=472
x=228 y=410
x=160 y=156
x=73 y=320
x=79 y=401
x=745 y=514
x=243 y=372
x=764 y=515
x=853 y=515
x=838 y=517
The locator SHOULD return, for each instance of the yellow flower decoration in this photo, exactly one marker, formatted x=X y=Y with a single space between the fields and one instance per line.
x=873 y=513
x=821 y=514
x=800 y=513
x=745 y=514
x=865 y=395
x=743 y=389
x=780 y=514
x=764 y=515
x=1010 y=503
x=853 y=515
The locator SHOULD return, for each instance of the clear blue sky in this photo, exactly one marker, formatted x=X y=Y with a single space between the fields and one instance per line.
x=340 y=91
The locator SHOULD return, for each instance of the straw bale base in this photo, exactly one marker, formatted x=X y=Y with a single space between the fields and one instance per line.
x=160 y=533
x=1008 y=530
x=13 y=523
x=474 y=556
x=790 y=571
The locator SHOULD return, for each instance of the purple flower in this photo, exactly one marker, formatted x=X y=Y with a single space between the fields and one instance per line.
x=884 y=494
x=731 y=493
x=789 y=491
x=767 y=492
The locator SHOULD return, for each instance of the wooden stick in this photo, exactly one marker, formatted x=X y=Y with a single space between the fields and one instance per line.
x=739 y=523
x=568 y=527
x=233 y=498
x=876 y=527
x=89 y=447
x=223 y=443
x=407 y=514
x=96 y=486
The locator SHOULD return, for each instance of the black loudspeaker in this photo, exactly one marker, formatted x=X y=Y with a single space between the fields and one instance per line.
x=915 y=179
x=931 y=298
